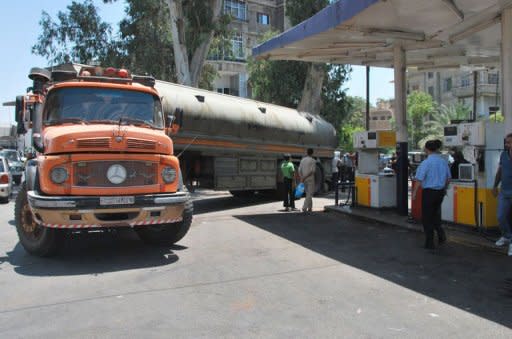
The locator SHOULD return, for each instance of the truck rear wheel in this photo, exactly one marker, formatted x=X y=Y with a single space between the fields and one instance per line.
x=167 y=234
x=35 y=238
x=319 y=179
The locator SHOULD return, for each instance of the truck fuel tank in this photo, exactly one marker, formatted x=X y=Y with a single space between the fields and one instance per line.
x=227 y=117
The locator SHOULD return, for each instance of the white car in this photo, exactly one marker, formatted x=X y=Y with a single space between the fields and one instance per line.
x=5 y=181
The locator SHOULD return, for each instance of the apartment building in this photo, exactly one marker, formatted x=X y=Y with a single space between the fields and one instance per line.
x=250 y=20
x=452 y=87
x=381 y=116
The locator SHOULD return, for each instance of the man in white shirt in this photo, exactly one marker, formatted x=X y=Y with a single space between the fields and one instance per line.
x=307 y=169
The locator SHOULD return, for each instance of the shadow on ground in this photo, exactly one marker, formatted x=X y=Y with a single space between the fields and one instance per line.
x=94 y=253
x=202 y=206
x=468 y=278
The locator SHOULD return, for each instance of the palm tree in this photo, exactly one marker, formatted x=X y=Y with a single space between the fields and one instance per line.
x=440 y=118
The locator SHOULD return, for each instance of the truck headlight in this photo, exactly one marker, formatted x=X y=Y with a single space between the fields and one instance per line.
x=168 y=174
x=59 y=175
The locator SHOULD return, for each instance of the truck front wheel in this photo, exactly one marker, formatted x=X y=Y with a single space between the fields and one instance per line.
x=167 y=234
x=35 y=238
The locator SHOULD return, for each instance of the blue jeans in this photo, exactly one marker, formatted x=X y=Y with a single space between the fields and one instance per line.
x=504 y=205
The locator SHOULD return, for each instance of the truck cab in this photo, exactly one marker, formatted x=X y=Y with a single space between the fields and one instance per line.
x=104 y=160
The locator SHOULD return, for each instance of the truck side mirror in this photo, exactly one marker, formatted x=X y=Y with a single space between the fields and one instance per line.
x=175 y=121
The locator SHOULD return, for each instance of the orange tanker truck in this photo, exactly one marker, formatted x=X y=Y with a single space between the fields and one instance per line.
x=104 y=159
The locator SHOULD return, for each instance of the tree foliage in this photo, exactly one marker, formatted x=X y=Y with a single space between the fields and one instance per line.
x=144 y=44
x=354 y=121
x=283 y=82
x=420 y=107
x=78 y=34
x=278 y=82
x=300 y=10
x=146 y=39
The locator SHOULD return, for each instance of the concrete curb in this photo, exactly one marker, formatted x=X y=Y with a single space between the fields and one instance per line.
x=391 y=219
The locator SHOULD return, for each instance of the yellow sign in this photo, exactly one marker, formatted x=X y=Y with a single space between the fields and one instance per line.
x=386 y=139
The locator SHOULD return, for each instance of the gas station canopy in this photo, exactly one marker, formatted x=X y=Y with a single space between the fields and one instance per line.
x=435 y=34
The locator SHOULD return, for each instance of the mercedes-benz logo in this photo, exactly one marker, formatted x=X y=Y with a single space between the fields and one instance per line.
x=116 y=174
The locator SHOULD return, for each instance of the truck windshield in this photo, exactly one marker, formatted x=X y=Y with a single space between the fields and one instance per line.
x=96 y=105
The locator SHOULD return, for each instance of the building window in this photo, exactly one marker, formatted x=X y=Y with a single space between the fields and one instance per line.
x=237 y=44
x=447 y=84
x=430 y=75
x=415 y=87
x=493 y=78
x=225 y=90
x=465 y=81
x=431 y=91
x=238 y=9
x=263 y=19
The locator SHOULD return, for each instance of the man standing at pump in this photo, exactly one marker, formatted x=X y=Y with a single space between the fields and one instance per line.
x=504 y=175
x=307 y=169
x=433 y=175
x=288 y=171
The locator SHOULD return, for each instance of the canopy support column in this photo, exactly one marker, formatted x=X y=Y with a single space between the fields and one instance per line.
x=402 y=177
x=367 y=98
x=506 y=67
x=400 y=93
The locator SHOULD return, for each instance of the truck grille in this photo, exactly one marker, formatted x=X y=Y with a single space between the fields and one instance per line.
x=93 y=143
x=94 y=173
x=141 y=144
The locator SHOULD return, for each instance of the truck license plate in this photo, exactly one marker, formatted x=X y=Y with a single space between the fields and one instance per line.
x=117 y=200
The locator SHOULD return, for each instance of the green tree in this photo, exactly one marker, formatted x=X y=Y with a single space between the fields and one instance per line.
x=420 y=107
x=354 y=121
x=146 y=39
x=278 y=82
x=336 y=107
x=145 y=44
x=194 y=26
x=289 y=82
x=78 y=35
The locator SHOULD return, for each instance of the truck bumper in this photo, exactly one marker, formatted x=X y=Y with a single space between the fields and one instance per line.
x=77 y=212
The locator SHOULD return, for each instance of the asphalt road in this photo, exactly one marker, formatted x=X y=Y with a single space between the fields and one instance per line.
x=246 y=269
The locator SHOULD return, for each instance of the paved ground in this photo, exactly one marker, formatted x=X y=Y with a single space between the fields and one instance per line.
x=247 y=270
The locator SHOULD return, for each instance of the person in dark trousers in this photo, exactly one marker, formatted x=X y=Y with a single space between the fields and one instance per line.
x=433 y=175
x=288 y=170
x=504 y=176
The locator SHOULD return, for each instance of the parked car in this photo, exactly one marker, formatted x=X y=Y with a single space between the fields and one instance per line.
x=5 y=181
x=15 y=164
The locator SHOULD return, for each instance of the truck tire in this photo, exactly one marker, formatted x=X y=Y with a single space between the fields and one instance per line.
x=35 y=239
x=167 y=234
x=319 y=179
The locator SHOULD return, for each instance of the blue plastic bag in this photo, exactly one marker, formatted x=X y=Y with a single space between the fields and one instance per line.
x=299 y=190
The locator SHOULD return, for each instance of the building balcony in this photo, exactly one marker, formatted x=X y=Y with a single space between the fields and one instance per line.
x=482 y=89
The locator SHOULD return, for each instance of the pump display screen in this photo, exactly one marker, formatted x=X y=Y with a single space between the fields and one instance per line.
x=450 y=131
x=102 y=105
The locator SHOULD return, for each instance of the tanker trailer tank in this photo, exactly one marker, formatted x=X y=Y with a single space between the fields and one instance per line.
x=236 y=144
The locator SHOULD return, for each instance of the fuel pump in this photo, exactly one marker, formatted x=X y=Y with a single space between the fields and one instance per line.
x=374 y=188
x=469 y=198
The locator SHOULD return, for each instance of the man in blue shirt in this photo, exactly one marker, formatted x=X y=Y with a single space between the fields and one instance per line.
x=433 y=175
x=504 y=175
